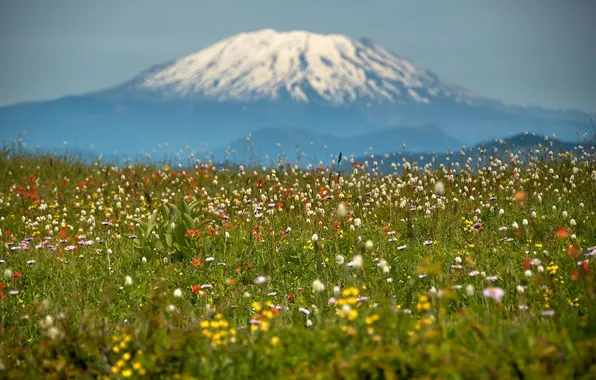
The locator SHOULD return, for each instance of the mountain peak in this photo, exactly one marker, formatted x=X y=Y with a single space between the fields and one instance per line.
x=299 y=66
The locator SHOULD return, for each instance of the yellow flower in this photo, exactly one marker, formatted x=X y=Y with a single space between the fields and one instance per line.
x=126 y=356
x=274 y=341
x=127 y=373
x=137 y=366
x=353 y=314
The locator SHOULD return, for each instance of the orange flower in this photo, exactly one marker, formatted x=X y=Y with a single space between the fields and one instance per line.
x=562 y=233
x=520 y=197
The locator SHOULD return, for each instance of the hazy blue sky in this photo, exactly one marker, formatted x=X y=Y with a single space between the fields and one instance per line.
x=523 y=51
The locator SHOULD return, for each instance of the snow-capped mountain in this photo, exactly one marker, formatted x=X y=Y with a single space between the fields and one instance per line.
x=299 y=66
x=281 y=84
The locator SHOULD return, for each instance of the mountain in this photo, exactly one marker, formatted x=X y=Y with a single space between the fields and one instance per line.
x=266 y=144
x=267 y=80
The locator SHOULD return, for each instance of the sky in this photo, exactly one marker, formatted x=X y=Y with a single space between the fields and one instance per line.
x=528 y=52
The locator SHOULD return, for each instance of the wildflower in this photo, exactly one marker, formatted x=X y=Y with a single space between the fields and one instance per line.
x=494 y=293
x=128 y=281
x=318 y=286
x=439 y=188
x=369 y=245
x=304 y=311
x=520 y=289
x=357 y=222
x=144 y=260
x=357 y=262
x=178 y=293
x=8 y=274
x=170 y=308
x=261 y=280
x=339 y=259
x=53 y=332
x=274 y=341
x=341 y=210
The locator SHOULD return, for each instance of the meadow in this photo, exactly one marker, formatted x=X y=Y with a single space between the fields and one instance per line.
x=479 y=269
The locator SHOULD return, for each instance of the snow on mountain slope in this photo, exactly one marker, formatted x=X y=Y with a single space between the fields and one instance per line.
x=302 y=67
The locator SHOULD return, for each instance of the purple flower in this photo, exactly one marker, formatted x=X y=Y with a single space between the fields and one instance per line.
x=494 y=293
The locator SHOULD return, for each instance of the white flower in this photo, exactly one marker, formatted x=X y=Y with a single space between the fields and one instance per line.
x=144 y=260
x=525 y=222
x=49 y=321
x=357 y=261
x=314 y=238
x=439 y=188
x=318 y=286
x=170 y=308
x=520 y=289
x=540 y=269
x=178 y=293
x=304 y=311
x=339 y=259
x=389 y=280
x=53 y=332
x=341 y=210
x=501 y=212
x=261 y=280
x=128 y=281
x=528 y=273
x=470 y=290
x=572 y=223
x=308 y=323
x=533 y=215
x=357 y=222
x=336 y=291
x=7 y=274
x=458 y=259
x=369 y=245
x=514 y=225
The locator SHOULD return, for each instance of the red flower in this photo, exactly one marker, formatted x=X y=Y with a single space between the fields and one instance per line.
x=290 y=297
x=196 y=288
x=196 y=262
x=17 y=275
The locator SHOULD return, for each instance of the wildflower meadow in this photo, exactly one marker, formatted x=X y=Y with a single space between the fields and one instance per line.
x=478 y=268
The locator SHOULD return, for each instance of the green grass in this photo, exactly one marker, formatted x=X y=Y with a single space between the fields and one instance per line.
x=240 y=247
